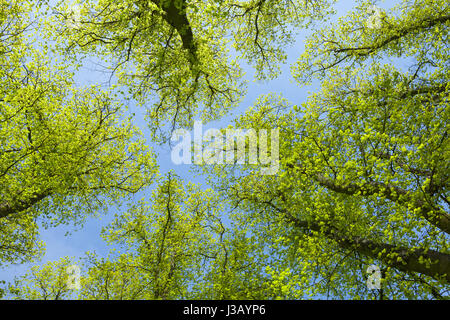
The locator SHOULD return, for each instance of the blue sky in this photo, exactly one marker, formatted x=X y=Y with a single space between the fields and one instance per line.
x=88 y=238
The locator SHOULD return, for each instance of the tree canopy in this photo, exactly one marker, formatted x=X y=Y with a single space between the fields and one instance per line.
x=364 y=170
x=65 y=151
x=174 y=56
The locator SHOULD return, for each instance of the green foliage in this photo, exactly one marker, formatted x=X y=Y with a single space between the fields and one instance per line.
x=165 y=244
x=175 y=54
x=364 y=161
x=66 y=152
x=50 y=282
x=364 y=172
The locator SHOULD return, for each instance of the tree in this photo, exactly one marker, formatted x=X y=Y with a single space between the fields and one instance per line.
x=364 y=162
x=50 y=282
x=65 y=151
x=364 y=171
x=175 y=54
x=176 y=247
x=166 y=244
